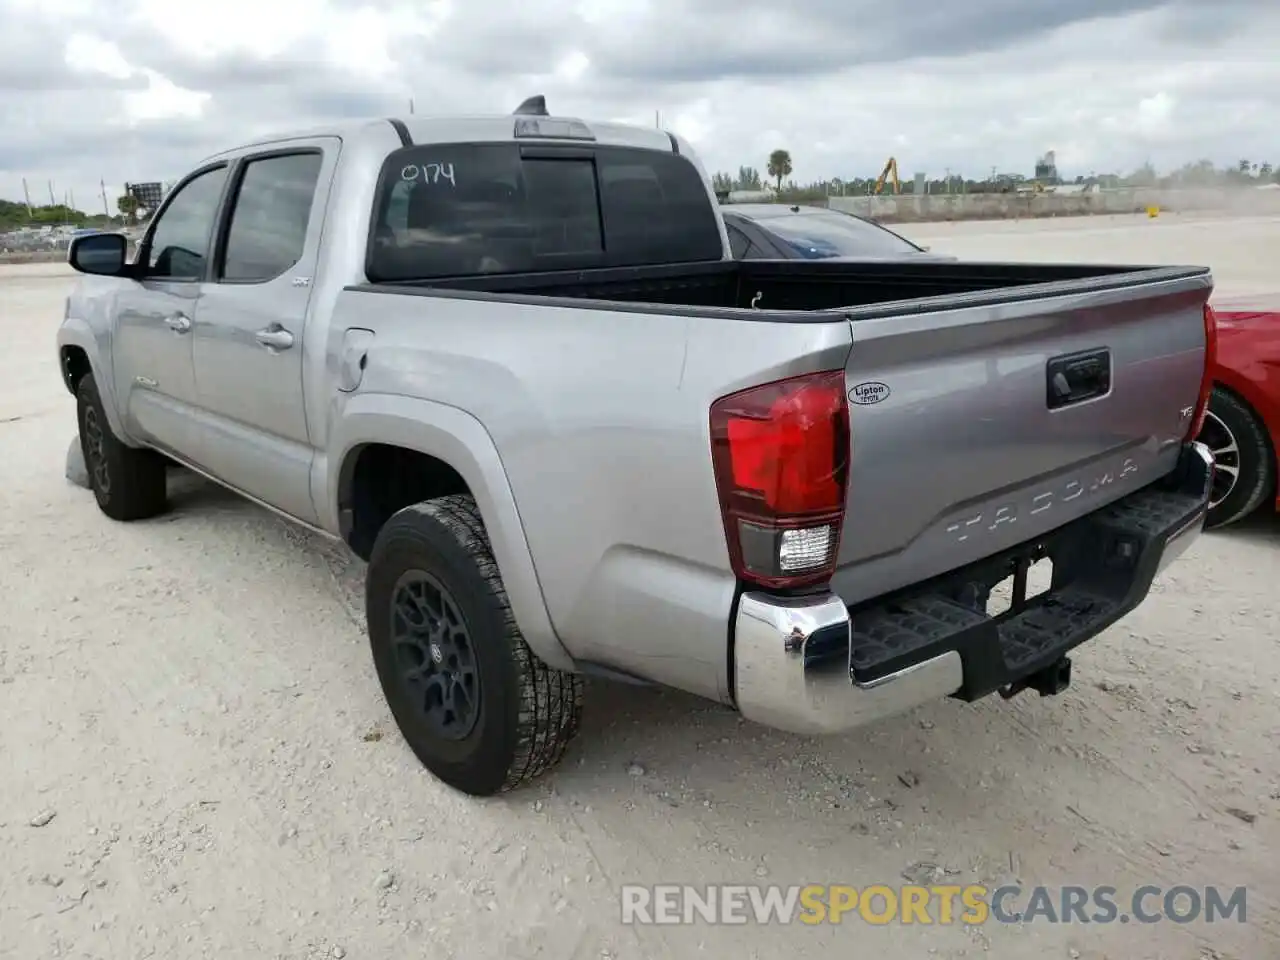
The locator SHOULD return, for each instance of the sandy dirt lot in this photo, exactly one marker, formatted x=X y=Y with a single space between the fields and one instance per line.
x=195 y=759
x=1242 y=251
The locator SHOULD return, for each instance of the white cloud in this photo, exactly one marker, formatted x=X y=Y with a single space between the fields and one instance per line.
x=146 y=88
x=259 y=29
x=88 y=54
x=573 y=66
x=163 y=100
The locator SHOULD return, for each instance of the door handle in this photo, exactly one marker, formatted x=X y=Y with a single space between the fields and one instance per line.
x=275 y=337
x=178 y=323
x=1078 y=377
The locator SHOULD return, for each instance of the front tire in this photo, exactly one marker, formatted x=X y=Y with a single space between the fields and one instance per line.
x=473 y=702
x=1244 y=463
x=128 y=483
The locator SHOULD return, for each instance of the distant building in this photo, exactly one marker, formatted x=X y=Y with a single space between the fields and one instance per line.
x=752 y=196
x=1047 y=169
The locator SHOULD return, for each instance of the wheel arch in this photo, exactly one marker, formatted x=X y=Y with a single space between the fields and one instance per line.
x=449 y=446
x=79 y=355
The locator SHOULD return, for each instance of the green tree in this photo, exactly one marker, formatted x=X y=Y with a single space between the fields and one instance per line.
x=721 y=182
x=748 y=179
x=779 y=166
x=127 y=204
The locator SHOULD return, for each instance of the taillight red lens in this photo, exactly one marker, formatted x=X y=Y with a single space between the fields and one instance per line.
x=781 y=458
x=1206 y=378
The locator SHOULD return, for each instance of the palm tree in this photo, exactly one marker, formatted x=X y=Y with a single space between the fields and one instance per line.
x=779 y=166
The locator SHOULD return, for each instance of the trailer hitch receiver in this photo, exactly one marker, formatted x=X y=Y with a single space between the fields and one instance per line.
x=1049 y=682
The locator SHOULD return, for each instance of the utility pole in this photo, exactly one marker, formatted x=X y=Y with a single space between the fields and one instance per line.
x=52 y=201
x=26 y=195
x=106 y=210
x=657 y=119
x=411 y=106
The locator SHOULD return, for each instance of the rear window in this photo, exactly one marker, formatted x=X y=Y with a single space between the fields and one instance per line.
x=819 y=235
x=449 y=210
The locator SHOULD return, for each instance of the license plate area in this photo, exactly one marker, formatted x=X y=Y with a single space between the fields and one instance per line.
x=1102 y=567
x=1029 y=579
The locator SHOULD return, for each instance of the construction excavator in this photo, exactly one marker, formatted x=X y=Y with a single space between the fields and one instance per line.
x=890 y=169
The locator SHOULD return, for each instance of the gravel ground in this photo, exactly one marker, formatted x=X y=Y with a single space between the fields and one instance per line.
x=195 y=759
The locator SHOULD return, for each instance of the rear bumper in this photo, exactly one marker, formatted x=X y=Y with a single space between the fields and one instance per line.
x=812 y=665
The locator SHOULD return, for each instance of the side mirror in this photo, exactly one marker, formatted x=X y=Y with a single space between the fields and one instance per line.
x=99 y=254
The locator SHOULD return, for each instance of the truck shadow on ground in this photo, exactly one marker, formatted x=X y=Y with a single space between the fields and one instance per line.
x=1261 y=527
x=900 y=782
x=625 y=721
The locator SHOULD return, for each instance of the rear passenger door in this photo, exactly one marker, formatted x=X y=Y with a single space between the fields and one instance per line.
x=248 y=343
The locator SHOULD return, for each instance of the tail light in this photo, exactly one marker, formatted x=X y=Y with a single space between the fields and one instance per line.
x=781 y=457
x=1206 y=378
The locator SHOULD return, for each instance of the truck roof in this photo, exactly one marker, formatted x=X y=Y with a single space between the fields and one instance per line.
x=466 y=129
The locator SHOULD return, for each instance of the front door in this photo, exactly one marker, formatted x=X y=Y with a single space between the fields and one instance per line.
x=248 y=343
x=151 y=348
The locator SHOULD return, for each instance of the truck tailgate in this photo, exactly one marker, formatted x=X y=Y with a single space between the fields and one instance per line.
x=977 y=427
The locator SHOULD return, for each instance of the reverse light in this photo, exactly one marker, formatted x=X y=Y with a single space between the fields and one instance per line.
x=1206 y=377
x=781 y=452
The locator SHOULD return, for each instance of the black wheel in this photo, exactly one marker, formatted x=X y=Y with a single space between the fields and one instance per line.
x=476 y=706
x=128 y=483
x=1244 y=464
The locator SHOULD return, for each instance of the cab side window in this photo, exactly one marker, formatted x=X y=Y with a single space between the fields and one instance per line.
x=179 y=244
x=268 y=231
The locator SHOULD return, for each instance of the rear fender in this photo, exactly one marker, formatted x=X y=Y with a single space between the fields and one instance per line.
x=460 y=440
x=1263 y=404
x=1249 y=365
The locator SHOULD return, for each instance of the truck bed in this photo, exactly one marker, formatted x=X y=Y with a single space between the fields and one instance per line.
x=991 y=404
x=790 y=290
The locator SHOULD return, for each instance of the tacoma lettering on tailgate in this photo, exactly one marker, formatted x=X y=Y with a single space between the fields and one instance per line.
x=1060 y=493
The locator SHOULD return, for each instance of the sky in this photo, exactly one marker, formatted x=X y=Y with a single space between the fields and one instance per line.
x=144 y=89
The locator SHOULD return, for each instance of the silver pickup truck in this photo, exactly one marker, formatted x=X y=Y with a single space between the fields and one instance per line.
x=511 y=362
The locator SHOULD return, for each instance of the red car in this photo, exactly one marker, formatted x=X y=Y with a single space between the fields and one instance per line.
x=1243 y=423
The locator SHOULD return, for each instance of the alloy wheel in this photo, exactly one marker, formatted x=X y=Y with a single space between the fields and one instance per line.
x=434 y=655
x=1217 y=436
x=95 y=450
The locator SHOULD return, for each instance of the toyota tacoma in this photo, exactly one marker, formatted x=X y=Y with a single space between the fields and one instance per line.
x=513 y=364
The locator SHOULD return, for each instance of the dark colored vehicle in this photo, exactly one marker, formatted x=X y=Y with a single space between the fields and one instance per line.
x=779 y=231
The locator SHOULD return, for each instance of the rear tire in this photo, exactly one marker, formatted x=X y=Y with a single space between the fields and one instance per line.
x=128 y=483
x=473 y=702
x=1245 y=466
